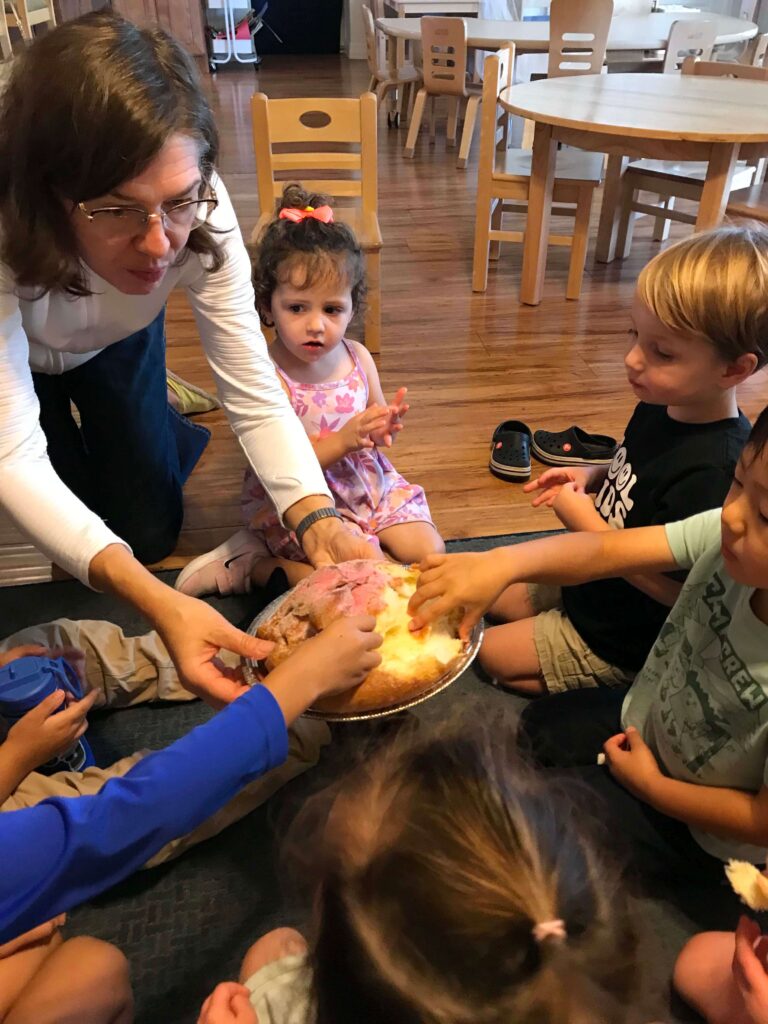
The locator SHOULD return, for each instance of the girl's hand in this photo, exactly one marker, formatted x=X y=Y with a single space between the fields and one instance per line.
x=357 y=432
x=43 y=734
x=631 y=762
x=397 y=409
x=749 y=969
x=229 y=1003
x=547 y=486
x=470 y=581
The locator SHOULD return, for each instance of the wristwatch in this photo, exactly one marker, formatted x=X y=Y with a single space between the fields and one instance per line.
x=311 y=519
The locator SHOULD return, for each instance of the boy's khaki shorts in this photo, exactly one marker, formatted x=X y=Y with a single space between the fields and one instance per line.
x=566 y=662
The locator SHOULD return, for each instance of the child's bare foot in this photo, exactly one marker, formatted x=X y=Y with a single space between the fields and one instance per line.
x=270 y=947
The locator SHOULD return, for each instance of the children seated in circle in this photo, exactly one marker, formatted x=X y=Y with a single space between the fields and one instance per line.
x=309 y=279
x=698 y=329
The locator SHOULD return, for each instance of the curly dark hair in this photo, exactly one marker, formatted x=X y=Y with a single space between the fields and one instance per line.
x=88 y=107
x=318 y=248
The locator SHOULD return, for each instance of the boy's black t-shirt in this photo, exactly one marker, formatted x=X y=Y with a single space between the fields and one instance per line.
x=663 y=471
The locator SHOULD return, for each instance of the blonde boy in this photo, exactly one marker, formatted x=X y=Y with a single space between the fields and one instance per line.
x=699 y=327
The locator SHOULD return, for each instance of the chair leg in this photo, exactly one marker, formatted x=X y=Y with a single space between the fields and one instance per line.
x=496 y=216
x=453 y=119
x=372 y=83
x=483 y=218
x=527 y=140
x=5 y=38
x=432 y=118
x=626 y=226
x=470 y=115
x=579 y=243
x=413 y=130
x=373 y=307
x=661 y=224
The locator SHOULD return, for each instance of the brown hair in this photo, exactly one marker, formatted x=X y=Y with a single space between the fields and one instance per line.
x=714 y=285
x=88 y=106
x=317 y=249
x=440 y=858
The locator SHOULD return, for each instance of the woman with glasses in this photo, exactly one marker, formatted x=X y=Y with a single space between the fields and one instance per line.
x=109 y=199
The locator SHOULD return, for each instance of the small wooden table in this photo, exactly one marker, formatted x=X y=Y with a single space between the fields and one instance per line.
x=643 y=32
x=662 y=117
x=409 y=8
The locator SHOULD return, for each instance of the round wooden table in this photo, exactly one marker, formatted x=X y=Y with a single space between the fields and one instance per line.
x=662 y=117
x=643 y=32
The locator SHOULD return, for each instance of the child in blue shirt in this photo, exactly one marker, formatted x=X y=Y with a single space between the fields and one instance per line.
x=65 y=850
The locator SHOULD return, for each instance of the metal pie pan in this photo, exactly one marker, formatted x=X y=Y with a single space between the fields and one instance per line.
x=253 y=673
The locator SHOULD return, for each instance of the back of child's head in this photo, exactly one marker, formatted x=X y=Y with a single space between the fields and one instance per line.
x=714 y=286
x=306 y=251
x=455 y=886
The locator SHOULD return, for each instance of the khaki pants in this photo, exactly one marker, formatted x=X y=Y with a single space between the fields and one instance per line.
x=134 y=670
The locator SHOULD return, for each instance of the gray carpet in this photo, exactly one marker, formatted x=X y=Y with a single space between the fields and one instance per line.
x=186 y=926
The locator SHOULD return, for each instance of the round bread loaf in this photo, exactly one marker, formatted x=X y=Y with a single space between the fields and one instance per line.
x=411 y=663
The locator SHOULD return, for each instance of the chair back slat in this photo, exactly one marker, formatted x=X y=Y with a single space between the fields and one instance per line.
x=294 y=139
x=444 y=52
x=689 y=39
x=578 y=34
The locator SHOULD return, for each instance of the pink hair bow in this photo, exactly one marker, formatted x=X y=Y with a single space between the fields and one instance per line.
x=323 y=213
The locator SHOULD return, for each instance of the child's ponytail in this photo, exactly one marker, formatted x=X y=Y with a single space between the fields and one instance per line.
x=305 y=249
x=459 y=887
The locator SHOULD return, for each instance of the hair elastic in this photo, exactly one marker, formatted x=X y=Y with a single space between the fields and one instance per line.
x=549 y=929
x=323 y=213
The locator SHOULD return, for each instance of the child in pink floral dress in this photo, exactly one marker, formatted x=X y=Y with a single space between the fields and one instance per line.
x=309 y=278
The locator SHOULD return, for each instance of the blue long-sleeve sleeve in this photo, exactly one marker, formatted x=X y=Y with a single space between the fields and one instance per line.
x=65 y=850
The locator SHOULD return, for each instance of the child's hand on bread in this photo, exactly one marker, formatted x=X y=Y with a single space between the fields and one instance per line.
x=472 y=581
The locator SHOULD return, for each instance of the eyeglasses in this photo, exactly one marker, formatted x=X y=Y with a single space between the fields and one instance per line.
x=116 y=222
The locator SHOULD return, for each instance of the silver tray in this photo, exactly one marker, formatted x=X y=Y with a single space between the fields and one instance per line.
x=252 y=672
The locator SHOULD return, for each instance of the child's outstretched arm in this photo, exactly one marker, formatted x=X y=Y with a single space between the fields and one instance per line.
x=473 y=581
x=64 y=850
x=732 y=813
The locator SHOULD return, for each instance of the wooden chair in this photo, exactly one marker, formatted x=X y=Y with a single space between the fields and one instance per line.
x=694 y=38
x=298 y=140
x=749 y=203
x=503 y=182
x=25 y=14
x=756 y=51
x=578 y=35
x=672 y=180
x=6 y=46
x=444 y=50
x=381 y=81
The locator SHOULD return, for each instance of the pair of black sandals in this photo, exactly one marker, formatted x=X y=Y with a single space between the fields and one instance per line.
x=513 y=444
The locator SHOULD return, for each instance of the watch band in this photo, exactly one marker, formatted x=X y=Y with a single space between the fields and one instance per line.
x=311 y=519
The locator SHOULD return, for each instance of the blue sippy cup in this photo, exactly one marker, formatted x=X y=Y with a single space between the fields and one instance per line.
x=27 y=681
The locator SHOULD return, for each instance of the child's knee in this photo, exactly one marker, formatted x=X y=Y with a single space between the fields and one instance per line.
x=275 y=945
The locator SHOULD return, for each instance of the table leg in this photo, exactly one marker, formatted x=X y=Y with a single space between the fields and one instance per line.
x=605 y=247
x=539 y=213
x=717 y=186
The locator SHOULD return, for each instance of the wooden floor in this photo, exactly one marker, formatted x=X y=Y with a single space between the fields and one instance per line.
x=468 y=360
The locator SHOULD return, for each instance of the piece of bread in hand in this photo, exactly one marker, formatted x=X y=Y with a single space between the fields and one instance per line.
x=749 y=883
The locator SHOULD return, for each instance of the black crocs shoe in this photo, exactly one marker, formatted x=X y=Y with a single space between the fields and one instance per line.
x=573 y=447
x=511 y=451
